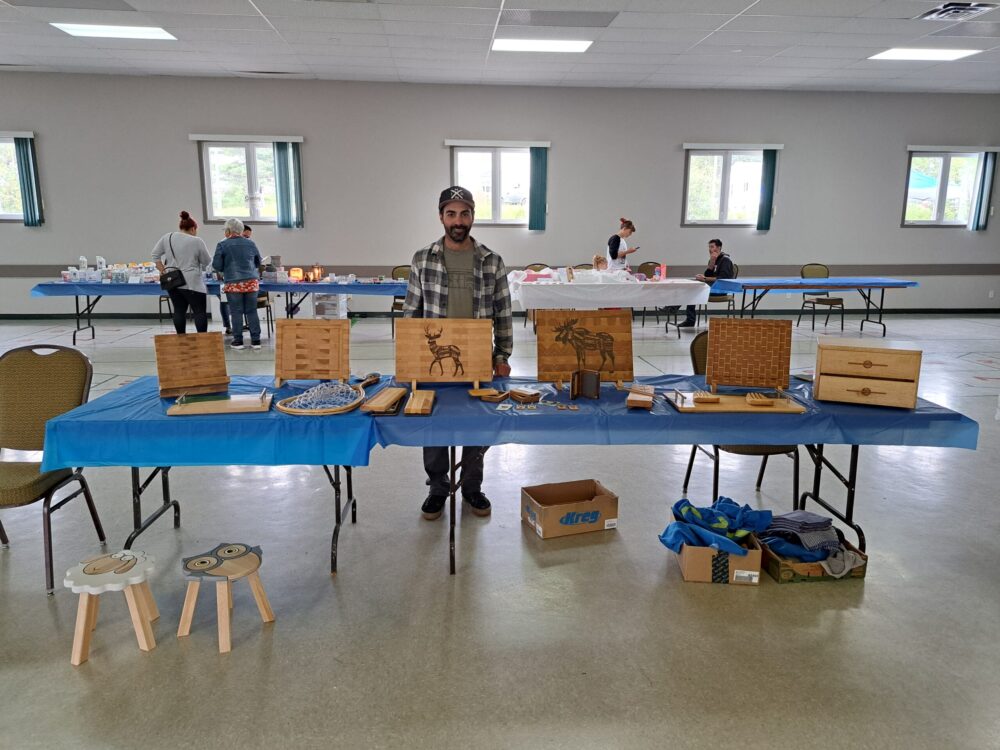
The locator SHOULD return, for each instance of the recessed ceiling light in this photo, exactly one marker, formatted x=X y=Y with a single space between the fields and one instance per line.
x=540 y=45
x=906 y=53
x=115 y=32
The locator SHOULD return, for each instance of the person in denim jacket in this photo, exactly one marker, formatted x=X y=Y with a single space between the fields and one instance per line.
x=238 y=259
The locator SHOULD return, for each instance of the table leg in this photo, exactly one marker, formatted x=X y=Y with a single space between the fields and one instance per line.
x=850 y=482
x=334 y=479
x=139 y=524
x=187 y=612
x=870 y=305
x=222 y=612
x=143 y=630
x=85 y=612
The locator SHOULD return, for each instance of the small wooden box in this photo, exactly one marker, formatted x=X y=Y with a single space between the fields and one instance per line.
x=856 y=371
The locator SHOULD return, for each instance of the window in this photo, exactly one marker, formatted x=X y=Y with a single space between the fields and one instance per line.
x=10 y=183
x=942 y=188
x=500 y=181
x=239 y=181
x=723 y=186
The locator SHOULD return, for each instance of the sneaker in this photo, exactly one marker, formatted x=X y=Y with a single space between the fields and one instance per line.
x=255 y=347
x=236 y=345
x=686 y=324
x=433 y=507
x=478 y=503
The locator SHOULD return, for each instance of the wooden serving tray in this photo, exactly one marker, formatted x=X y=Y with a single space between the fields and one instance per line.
x=225 y=404
x=684 y=401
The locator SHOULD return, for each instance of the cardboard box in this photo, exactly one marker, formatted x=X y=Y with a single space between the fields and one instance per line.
x=787 y=570
x=564 y=508
x=709 y=565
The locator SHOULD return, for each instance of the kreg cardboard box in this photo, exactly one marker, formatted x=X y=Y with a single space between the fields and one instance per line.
x=564 y=508
x=709 y=565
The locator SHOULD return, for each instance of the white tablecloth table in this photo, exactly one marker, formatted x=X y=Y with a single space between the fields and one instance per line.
x=581 y=296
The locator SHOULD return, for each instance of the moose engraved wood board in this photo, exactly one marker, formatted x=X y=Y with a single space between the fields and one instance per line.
x=312 y=350
x=444 y=350
x=571 y=340
x=752 y=353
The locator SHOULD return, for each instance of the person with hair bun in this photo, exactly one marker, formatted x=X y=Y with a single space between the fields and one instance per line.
x=186 y=251
x=618 y=248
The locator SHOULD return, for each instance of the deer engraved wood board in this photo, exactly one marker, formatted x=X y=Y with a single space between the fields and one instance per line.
x=444 y=350
x=312 y=350
x=571 y=340
x=753 y=353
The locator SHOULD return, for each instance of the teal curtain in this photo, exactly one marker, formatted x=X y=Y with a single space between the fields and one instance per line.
x=768 y=168
x=537 y=196
x=27 y=171
x=981 y=210
x=288 y=184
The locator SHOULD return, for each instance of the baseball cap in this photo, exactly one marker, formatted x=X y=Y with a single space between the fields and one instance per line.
x=456 y=193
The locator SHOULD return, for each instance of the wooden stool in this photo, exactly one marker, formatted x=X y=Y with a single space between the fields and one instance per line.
x=223 y=565
x=122 y=571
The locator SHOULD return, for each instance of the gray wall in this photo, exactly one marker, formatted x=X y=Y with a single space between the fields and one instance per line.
x=116 y=166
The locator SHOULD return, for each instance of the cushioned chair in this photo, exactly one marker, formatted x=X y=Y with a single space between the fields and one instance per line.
x=399 y=273
x=699 y=359
x=529 y=314
x=648 y=268
x=819 y=299
x=34 y=388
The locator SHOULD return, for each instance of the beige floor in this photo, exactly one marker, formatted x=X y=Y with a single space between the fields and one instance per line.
x=584 y=642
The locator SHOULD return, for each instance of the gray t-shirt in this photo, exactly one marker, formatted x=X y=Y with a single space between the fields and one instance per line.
x=461 y=282
x=189 y=254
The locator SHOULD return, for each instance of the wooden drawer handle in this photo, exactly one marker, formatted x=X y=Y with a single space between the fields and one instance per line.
x=866 y=391
x=868 y=364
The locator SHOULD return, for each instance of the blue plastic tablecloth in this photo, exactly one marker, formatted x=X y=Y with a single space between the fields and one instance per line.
x=797 y=284
x=129 y=427
x=94 y=289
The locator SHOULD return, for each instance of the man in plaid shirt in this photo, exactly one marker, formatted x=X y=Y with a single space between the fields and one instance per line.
x=458 y=277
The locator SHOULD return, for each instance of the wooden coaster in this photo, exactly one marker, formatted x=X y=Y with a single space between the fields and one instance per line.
x=420 y=403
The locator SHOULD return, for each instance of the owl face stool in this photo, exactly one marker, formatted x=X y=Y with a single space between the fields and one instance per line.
x=226 y=563
x=126 y=571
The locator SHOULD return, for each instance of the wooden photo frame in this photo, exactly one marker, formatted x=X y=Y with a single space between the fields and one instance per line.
x=573 y=340
x=444 y=350
x=190 y=363
x=312 y=350
x=751 y=353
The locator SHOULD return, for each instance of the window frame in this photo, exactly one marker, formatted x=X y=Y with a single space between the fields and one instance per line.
x=726 y=154
x=250 y=156
x=18 y=217
x=496 y=179
x=942 y=196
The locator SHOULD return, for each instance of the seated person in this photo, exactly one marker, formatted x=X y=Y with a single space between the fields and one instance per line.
x=600 y=263
x=720 y=266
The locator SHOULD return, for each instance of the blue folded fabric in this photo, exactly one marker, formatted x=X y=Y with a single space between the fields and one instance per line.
x=788 y=549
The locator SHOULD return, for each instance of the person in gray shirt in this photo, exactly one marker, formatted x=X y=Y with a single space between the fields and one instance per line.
x=186 y=251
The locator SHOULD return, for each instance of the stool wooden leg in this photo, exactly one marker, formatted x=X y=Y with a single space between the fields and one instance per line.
x=187 y=613
x=95 y=606
x=151 y=609
x=85 y=612
x=258 y=593
x=222 y=609
x=143 y=630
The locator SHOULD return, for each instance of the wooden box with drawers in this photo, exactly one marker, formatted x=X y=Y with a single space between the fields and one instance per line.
x=855 y=371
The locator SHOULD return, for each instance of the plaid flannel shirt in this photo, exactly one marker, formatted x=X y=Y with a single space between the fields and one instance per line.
x=427 y=292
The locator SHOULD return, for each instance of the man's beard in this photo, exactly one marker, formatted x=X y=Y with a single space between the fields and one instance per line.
x=458 y=234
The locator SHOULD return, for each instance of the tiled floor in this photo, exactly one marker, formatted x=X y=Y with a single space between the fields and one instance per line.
x=582 y=642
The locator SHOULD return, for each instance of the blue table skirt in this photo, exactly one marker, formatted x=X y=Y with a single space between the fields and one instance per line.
x=809 y=286
x=129 y=427
x=83 y=289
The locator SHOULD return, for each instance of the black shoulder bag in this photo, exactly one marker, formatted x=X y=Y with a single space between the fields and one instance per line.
x=172 y=277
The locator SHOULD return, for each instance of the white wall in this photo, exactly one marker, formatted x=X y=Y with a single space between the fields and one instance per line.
x=116 y=166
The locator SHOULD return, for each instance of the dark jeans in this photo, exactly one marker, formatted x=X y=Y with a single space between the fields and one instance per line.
x=438 y=470
x=180 y=300
x=244 y=303
x=689 y=318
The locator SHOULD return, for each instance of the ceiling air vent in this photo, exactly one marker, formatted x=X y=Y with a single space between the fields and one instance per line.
x=957 y=11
